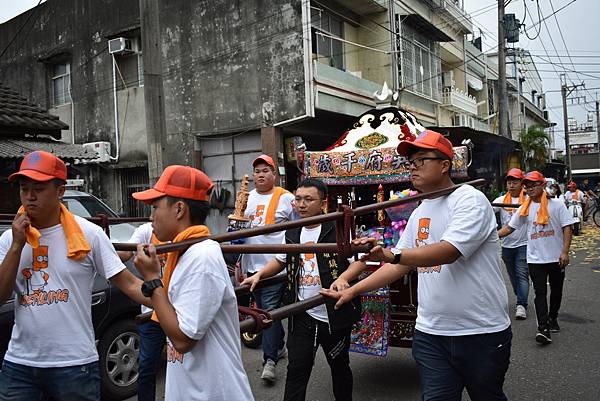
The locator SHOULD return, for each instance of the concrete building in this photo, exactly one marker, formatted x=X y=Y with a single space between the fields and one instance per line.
x=585 y=153
x=228 y=81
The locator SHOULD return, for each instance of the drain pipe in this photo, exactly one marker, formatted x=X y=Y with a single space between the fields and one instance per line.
x=114 y=73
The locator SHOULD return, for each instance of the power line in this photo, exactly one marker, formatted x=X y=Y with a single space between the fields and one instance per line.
x=31 y=14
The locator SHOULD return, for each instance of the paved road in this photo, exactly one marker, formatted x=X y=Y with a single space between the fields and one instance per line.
x=567 y=370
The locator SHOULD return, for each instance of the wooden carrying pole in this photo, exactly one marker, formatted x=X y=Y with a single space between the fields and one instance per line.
x=252 y=232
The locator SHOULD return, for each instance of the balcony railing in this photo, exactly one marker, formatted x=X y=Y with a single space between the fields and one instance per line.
x=459 y=101
x=453 y=10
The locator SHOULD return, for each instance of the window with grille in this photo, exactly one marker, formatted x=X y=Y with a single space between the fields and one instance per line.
x=61 y=84
x=419 y=64
x=327 y=50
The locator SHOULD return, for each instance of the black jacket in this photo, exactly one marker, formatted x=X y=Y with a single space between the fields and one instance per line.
x=330 y=267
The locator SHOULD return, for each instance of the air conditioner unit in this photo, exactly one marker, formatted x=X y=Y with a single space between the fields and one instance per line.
x=102 y=149
x=464 y=120
x=120 y=46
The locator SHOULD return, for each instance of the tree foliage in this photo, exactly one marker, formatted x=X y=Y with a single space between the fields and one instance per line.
x=534 y=144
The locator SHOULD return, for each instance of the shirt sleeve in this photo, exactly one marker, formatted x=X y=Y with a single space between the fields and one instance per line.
x=106 y=261
x=472 y=221
x=142 y=234
x=282 y=257
x=565 y=217
x=406 y=239
x=497 y=200
x=199 y=298
x=5 y=241
x=516 y=221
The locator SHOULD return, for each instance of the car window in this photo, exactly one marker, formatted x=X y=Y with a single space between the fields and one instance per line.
x=87 y=207
x=76 y=208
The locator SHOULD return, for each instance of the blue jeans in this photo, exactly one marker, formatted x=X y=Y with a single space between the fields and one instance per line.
x=269 y=298
x=449 y=364
x=515 y=260
x=152 y=341
x=72 y=383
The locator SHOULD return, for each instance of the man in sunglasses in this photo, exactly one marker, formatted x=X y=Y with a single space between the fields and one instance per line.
x=463 y=335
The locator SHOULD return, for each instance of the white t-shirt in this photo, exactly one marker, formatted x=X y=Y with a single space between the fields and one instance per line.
x=143 y=235
x=204 y=300
x=468 y=296
x=569 y=195
x=518 y=237
x=53 y=322
x=309 y=283
x=545 y=243
x=256 y=210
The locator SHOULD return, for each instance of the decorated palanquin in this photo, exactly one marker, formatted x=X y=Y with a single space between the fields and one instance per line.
x=360 y=168
x=366 y=153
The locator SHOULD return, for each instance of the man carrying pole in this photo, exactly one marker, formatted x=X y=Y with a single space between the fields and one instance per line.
x=267 y=204
x=307 y=273
x=194 y=302
x=50 y=259
x=462 y=323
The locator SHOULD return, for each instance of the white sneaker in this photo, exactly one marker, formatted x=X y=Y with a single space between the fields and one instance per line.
x=521 y=313
x=268 y=372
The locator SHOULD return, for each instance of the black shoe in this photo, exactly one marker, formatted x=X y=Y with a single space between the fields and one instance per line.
x=543 y=336
x=553 y=325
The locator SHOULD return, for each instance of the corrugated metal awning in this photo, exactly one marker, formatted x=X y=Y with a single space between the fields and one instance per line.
x=18 y=148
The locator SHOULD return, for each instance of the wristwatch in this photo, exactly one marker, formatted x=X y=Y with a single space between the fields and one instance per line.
x=149 y=286
x=397 y=252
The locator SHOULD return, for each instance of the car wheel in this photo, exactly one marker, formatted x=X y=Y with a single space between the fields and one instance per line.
x=119 y=349
x=251 y=340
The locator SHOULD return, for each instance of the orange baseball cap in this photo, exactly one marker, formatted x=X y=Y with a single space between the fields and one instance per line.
x=264 y=159
x=534 y=176
x=427 y=140
x=41 y=166
x=180 y=182
x=515 y=173
x=572 y=184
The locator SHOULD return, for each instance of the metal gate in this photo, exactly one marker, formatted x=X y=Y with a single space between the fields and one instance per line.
x=134 y=180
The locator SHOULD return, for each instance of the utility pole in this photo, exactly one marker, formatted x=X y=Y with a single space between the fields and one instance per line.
x=565 y=91
x=598 y=128
x=156 y=131
x=502 y=91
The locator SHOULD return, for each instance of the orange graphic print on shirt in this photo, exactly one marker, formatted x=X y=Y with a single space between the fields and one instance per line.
x=36 y=279
x=258 y=216
x=308 y=264
x=173 y=355
x=421 y=240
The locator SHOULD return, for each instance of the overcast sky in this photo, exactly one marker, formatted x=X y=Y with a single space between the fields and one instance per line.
x=579 y=23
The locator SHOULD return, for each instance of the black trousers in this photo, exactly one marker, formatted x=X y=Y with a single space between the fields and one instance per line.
x=305 y=334
x=540 y=275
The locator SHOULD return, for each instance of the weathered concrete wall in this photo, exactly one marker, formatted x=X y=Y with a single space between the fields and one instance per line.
x=76 y=31
x=229 y=66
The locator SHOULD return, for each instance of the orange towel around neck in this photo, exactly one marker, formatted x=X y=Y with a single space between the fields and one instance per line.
x=508 y=199
x=77 y=245
x=173 y=257
x=543 y=216
x=575 y=195
x=273 y=203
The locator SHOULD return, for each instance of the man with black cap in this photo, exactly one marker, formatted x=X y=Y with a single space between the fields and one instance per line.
x=50 y=259
x=267 y=204
x=463 y=336
x=514 y=246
